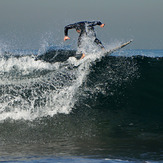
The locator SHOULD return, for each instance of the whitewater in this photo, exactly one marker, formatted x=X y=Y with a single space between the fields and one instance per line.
x=33 y=88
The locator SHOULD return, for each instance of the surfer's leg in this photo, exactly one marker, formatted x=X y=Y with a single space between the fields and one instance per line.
x=83 y=55
x=79 y=42
x=98 y=42
x=79 y=46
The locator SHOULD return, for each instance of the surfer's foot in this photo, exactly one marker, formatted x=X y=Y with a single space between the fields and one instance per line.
x=103 y=49
x=83 y=55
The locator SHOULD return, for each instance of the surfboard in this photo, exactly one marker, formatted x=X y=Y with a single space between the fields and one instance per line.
x=119 y=47
x=78 y=56
x=61 y=55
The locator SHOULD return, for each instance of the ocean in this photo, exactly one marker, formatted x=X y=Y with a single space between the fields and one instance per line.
x=99 y=109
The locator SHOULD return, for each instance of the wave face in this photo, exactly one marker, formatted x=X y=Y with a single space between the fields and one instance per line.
x=112 y=104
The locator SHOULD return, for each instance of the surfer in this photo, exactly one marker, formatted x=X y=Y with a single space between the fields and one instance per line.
x=84 y=28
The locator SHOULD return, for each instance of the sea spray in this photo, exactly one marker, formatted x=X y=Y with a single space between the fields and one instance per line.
x=32 y=89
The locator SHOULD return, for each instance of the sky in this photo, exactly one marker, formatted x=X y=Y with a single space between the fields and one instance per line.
x=28 y=24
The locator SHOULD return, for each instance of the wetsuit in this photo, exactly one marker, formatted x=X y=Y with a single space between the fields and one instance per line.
x=85 y=28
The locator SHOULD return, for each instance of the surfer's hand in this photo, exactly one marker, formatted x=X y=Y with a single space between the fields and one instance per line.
x=102 y=25
x=66 y=38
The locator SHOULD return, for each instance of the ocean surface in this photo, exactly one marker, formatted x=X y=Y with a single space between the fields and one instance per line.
x=104 y=108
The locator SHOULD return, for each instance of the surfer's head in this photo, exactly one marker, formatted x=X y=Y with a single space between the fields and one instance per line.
x=78 y=29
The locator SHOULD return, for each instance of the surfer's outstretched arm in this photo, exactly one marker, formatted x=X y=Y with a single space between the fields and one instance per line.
x=94 y=23
x=70 y=26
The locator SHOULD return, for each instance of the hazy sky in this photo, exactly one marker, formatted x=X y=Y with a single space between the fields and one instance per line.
x=30 y=23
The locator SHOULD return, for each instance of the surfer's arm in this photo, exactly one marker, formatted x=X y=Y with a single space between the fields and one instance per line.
x=94 y=23
x=70 y=26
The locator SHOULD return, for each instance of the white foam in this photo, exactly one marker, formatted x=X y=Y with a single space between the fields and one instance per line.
x=60 y=100
x=17 y=104
x=30 y=97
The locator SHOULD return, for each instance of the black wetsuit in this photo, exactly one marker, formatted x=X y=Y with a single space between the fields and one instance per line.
x=85 y=28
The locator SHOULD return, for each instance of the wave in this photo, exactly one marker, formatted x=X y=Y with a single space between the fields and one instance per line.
x=30 y=89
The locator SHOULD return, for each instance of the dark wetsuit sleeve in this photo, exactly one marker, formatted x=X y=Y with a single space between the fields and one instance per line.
x=94 y=23
x=70 y=26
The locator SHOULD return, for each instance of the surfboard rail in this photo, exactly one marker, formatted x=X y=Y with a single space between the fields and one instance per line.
x=119 y=47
